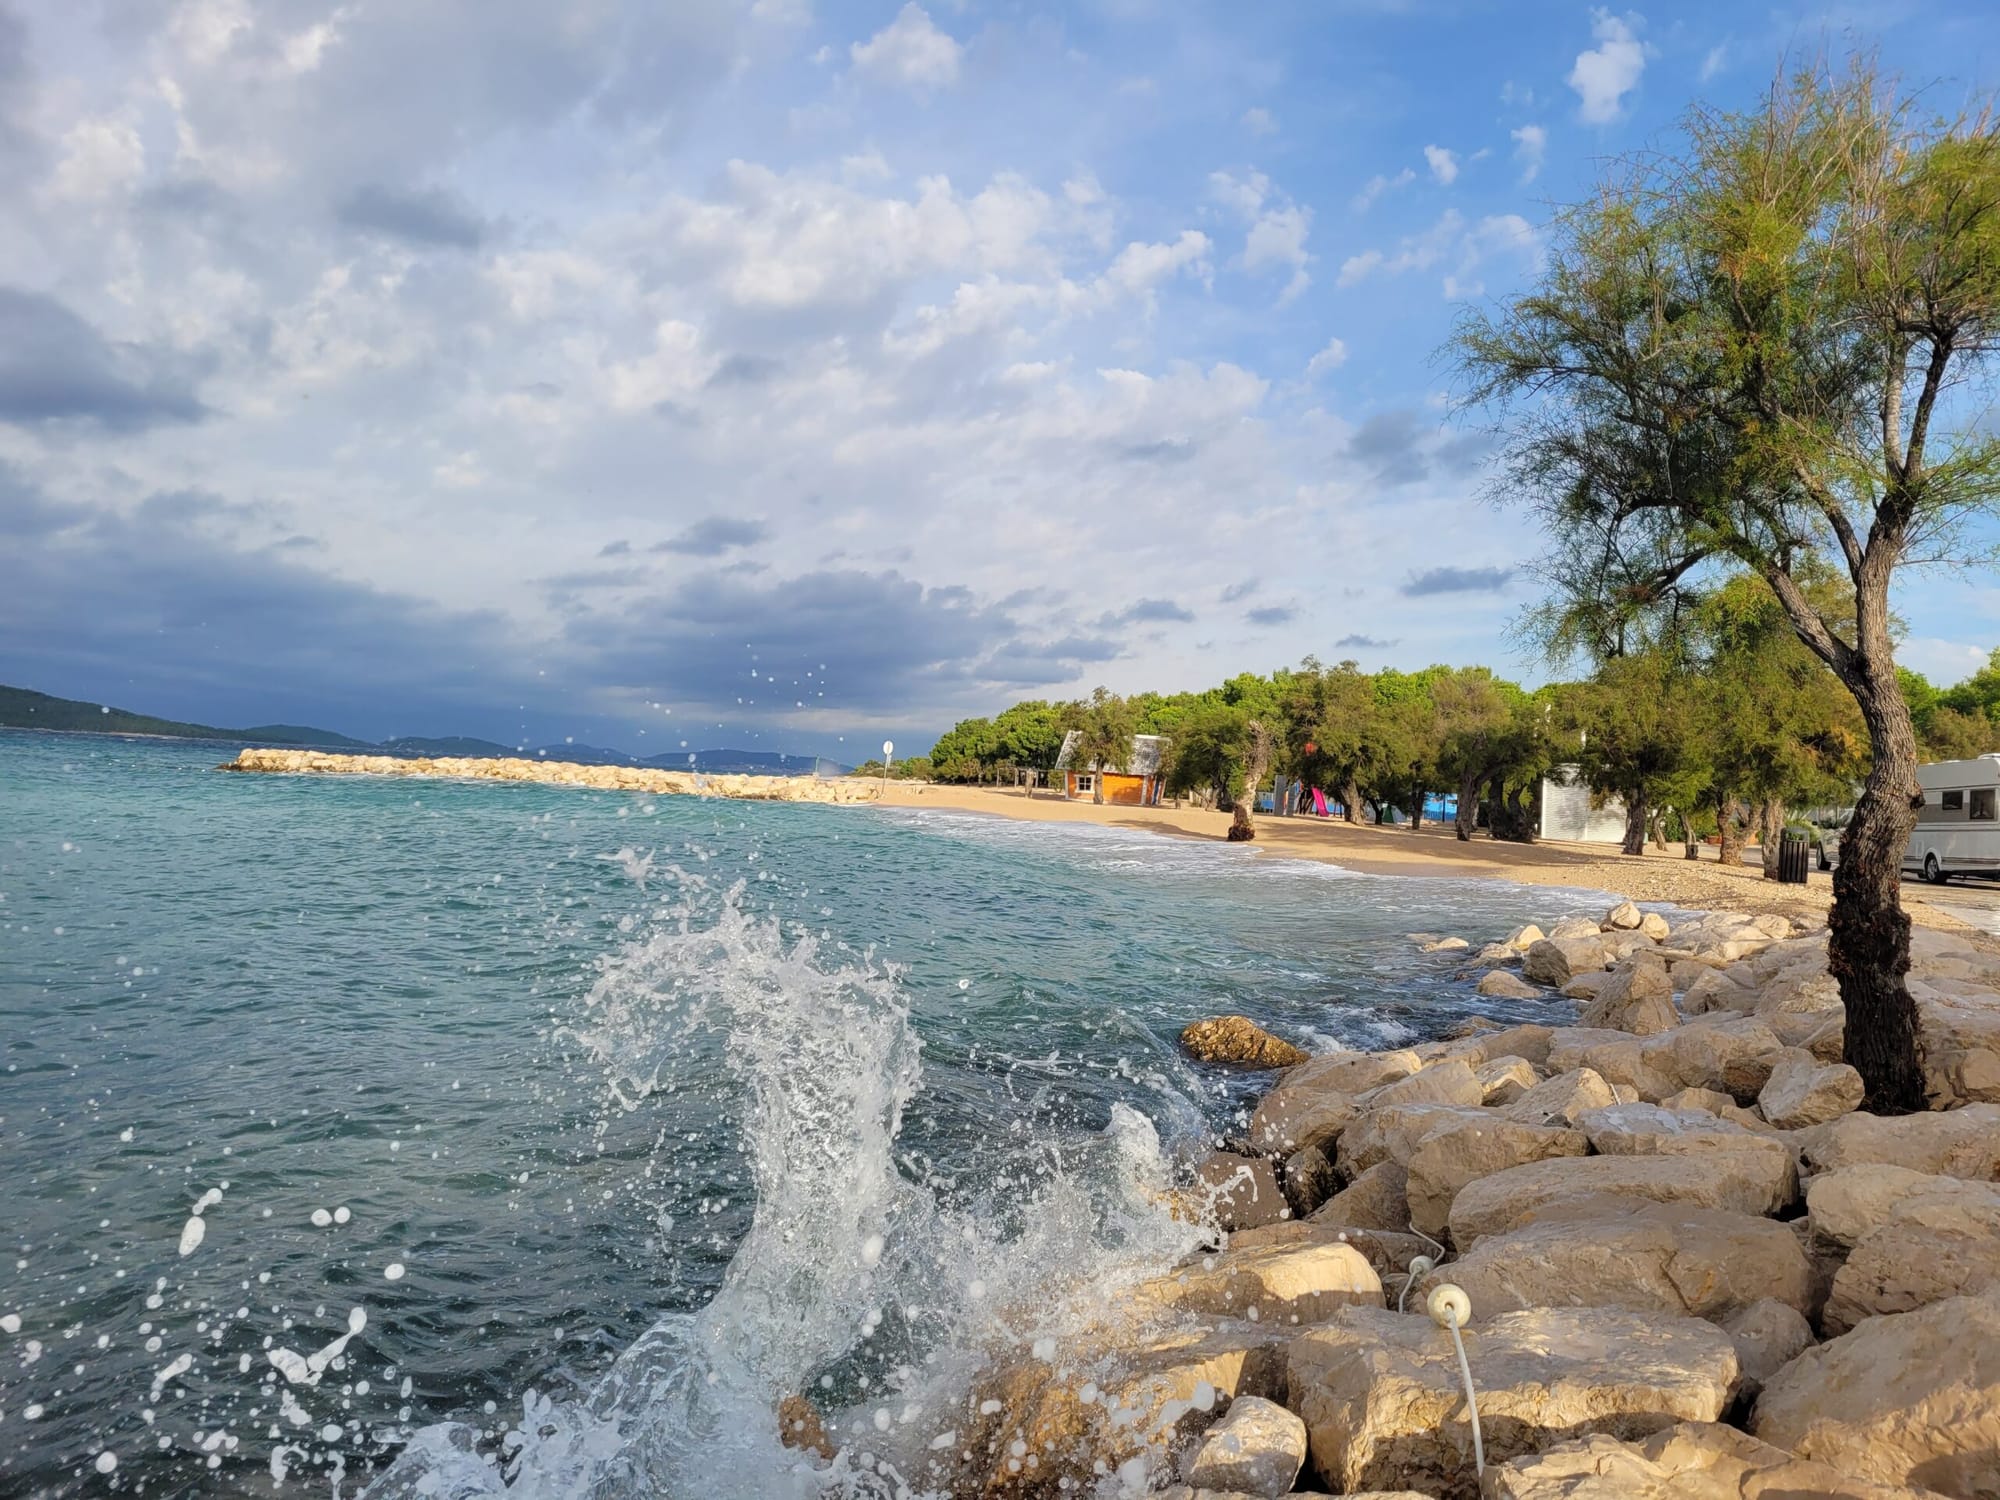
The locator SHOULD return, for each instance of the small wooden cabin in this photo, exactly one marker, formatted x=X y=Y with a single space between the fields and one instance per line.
x=1139 y=784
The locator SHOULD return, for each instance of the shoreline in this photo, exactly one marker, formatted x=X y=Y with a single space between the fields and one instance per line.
x=1662 y=877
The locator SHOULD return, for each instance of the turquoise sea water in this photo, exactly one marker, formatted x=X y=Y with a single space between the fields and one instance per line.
x=593 y=1121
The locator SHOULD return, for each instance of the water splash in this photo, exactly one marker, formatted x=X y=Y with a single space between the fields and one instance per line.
x=877 y=1283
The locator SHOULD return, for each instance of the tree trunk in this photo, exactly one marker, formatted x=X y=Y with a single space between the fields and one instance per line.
x=1868 y=946
x=1350 y=797
x=1635 y=825
x=1417 y=810
x=1659 y=828
x=1771 y=820
x=1729 y=825
x=1468 y=805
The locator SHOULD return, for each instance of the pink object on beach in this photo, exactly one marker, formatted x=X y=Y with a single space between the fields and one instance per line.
x=1319 y=802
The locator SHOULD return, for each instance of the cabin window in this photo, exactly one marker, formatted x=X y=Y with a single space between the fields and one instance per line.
x=1952 y=801
x=1982 y=803
x=1086 y=783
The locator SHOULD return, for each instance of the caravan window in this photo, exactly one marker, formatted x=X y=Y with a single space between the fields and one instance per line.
x=1982 y=803
x=1952 y=801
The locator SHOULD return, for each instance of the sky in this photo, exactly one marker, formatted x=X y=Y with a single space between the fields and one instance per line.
x=788 y=374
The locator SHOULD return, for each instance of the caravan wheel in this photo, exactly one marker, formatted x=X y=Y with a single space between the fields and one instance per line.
x=1933 y=871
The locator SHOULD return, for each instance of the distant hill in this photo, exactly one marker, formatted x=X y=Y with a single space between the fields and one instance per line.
x=22 y=708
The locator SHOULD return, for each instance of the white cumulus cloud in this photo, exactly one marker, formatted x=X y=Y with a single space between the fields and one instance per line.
x=1443 y=163
x=910 y=51
x=1606 y=73
x=1531 y=143
x=1332 y=357
x=1380 y=184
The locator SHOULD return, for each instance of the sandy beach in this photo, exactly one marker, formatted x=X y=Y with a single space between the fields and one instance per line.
x=1659 y=875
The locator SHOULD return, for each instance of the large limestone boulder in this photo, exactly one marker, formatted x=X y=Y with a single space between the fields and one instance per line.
x=1561 y=1098
x=1499 y=984
x=1638 y=998
x=1733 y=1056
x=1309 y=1179
x=1959 y=1026
x=1313 y=1102
x=1912 y=1399
x=1625 y=1252
x=1744 y=1182
x=1556 y=961
x=1451 y=1081
x=1803 y=1091
x=1098 y=1402
x=1460 y=1151
x=1527 y=1041
x=1654 y=926
x=1272 y=1284
x=1257 y=1448
x=1623 y=917
x=1694 y=1461
x=1393 y=1133
x=1712 y=990
x=1768 y=1335
x=1585 y=986
x=1655 y=1130
x=1521 y=939
x=1574 y=927
x=1239 y=1192
x=1850 y=1203
x=1505 y=1079
x=1239 y=1042
x=1905 y=1265
x=1957 y=1143
x=1375 y=1199
x=1383 y=1405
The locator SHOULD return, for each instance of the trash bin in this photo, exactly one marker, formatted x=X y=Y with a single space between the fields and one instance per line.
x=1794 y=856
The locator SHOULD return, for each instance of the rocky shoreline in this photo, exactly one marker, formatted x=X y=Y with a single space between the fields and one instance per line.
x=557 y=773
x=1694 y=1267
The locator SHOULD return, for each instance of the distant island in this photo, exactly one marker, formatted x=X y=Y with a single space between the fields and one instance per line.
x=23 y=708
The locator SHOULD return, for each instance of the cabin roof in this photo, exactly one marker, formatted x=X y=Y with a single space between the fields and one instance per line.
x=1147 y=752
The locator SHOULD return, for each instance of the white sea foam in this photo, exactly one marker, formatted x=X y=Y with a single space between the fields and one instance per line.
x=857 y=1279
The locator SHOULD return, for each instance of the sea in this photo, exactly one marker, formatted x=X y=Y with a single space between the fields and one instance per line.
x=449 y=1139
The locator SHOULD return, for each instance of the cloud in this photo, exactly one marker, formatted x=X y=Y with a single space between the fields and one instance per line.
x=1379 y=185
x=1332 y=357
x=1278 y=227
x=1606 y=73
x=714 y=535
x=910 y=51
x=1531 y=143
x=1452 y=242
x=1272 y=614
x=1149 y=612
x=55 y=367
x=1443 y=164
x=1362 y=643
x=1259 y=121
x=1405 y=446
x=1456 y=581
x=428 y=216
x=1715 y=62
x=1243 y=590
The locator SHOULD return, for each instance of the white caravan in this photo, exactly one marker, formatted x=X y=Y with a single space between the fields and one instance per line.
x=1958 y=824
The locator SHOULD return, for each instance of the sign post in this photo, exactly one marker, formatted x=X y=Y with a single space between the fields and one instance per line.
x=888 y=750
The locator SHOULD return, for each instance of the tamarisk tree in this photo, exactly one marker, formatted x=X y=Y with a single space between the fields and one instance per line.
x=1749 y=353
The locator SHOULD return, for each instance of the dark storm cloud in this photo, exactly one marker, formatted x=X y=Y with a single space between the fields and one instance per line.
x=1363 y=643
x=426 y=216
x=1406 y=446
x=55 y=367
x=885 y=642
x=1275 y=614
x=713 y=536
x=217 y=630
x=1457 y=581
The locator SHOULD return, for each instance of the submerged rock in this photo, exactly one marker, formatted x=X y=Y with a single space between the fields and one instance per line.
x=1239 y=1042
x=1383 y=1404
x=1499 y=984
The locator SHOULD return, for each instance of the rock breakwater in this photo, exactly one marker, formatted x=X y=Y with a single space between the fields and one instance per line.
x=557 y=773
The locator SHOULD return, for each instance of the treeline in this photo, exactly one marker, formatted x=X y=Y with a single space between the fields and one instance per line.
x=1722 y=728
